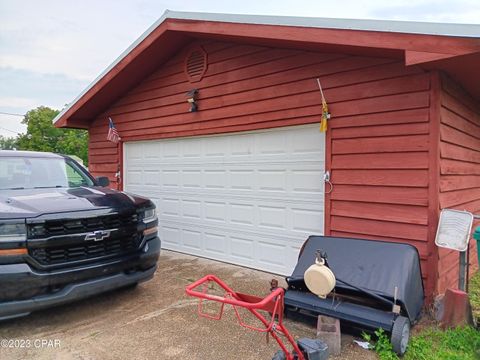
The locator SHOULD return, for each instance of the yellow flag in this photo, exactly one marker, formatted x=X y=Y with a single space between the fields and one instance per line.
x=325 y=113
x=325 y=116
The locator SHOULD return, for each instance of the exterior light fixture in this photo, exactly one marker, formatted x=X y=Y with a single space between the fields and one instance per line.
x=191 y=99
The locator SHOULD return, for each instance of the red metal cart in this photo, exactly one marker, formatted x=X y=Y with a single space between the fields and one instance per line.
x=273 y=304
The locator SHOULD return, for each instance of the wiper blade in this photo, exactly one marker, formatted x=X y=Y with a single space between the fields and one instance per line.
x=15 y=188
x=47 y=187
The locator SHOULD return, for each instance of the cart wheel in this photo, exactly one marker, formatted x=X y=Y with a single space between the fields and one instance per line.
x=279 y=355
x=400 y=335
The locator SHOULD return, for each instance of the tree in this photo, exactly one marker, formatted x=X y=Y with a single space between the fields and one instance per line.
x=43 y=136
x=8 y=143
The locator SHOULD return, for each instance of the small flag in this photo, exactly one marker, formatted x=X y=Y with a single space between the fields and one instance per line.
x=112 y=132
x=325 y=113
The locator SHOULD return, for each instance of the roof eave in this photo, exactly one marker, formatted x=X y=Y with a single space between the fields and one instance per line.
x=284 y=29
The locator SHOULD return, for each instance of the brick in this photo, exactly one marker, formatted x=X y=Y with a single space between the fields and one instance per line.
x=328 y=330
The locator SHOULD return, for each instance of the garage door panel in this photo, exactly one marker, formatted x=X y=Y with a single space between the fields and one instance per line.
x=192 y=209
x=296 y=218
x=192 y=239
x=169 y=207
x=151 y=150
x=134 y=177
x=305 y=144
x=169 y=178
x=215 y=211
x=134 y=153
x=192 y=148
x=215 y=179
x=241 y=146
x=246 y=198
x=169 y=150
x=272 y=180
x=306 y=181
x=217 y=147
x=152 y=177
x=232 y=196
x=171 y=236
x=240 y=246
x=242 y=179
x=272 y=217
x=271 y=143
x=307 y=220
x=271 y=254
x=215 y=244
x=242 y=214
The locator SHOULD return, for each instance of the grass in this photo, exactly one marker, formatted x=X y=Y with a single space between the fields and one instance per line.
x=474 y=293
x=432 y=343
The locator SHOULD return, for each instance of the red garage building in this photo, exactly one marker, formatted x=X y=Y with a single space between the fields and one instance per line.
x=242 y=179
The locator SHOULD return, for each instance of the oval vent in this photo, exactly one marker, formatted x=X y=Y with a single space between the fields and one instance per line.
x=196 y=64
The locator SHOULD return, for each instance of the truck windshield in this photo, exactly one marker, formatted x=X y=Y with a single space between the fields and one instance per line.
x=35 y=173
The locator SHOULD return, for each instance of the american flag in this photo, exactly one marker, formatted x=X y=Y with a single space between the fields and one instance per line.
x=112 y=132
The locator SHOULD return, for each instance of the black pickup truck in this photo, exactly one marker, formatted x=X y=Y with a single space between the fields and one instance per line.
x=65 y=236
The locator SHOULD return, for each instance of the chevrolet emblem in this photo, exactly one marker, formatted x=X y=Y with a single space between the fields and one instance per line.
x=98 y=235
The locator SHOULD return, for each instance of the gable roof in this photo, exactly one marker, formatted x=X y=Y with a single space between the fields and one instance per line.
x=409 y=27
x=453 y=48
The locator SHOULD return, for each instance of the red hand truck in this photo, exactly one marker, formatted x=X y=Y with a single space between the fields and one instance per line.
x=273 y=304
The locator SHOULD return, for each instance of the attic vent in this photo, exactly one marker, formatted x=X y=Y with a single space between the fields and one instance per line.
x=196 y=64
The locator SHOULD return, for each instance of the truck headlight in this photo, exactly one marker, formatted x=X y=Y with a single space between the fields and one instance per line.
x=149 y=215
x=13 y=232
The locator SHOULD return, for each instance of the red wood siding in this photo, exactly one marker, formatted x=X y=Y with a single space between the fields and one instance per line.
x=380 y=163
x=378 y=143
x=459 y=168
x=250 y=87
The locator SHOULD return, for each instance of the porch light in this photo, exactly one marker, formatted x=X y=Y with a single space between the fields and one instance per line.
x=191 y=99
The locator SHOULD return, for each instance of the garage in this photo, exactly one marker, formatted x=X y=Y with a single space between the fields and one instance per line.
x=218 y=118
x=248 y=198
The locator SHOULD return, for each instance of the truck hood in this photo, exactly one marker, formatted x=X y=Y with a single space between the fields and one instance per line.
x=30 y=203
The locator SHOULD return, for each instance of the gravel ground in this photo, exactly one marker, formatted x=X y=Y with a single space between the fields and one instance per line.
x=155 y=320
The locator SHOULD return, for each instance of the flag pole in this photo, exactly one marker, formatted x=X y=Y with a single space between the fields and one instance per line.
x=320 y=87
x=119 y=167
x=325 y=113
x=114 y=137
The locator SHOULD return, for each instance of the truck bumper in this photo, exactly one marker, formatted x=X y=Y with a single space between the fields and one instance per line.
x=71 y=284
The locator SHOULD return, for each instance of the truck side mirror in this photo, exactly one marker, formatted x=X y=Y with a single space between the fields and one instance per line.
x=103 y=181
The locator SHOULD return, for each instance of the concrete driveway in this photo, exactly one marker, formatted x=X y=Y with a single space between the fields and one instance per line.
x=152 y=321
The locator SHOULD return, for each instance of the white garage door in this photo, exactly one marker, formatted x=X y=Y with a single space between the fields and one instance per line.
x=245 y=198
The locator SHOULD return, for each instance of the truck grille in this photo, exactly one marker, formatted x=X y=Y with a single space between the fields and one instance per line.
x=75 y=226
x=88 y=250
x=56 y=242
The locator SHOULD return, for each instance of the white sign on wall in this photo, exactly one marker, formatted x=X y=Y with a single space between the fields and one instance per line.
x=454 y=229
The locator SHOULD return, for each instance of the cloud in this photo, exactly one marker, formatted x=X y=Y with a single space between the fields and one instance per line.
x=75 y=38
x=10 y=125
x=17 y=102
x=81 y=38
x=435 y=11
x=23 y=90
x=51 y=50
x=28 y=89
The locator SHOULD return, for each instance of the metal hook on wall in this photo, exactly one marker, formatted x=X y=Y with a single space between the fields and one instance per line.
x=326 y=179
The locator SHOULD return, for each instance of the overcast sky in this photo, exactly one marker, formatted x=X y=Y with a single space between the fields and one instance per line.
x=50 y=50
